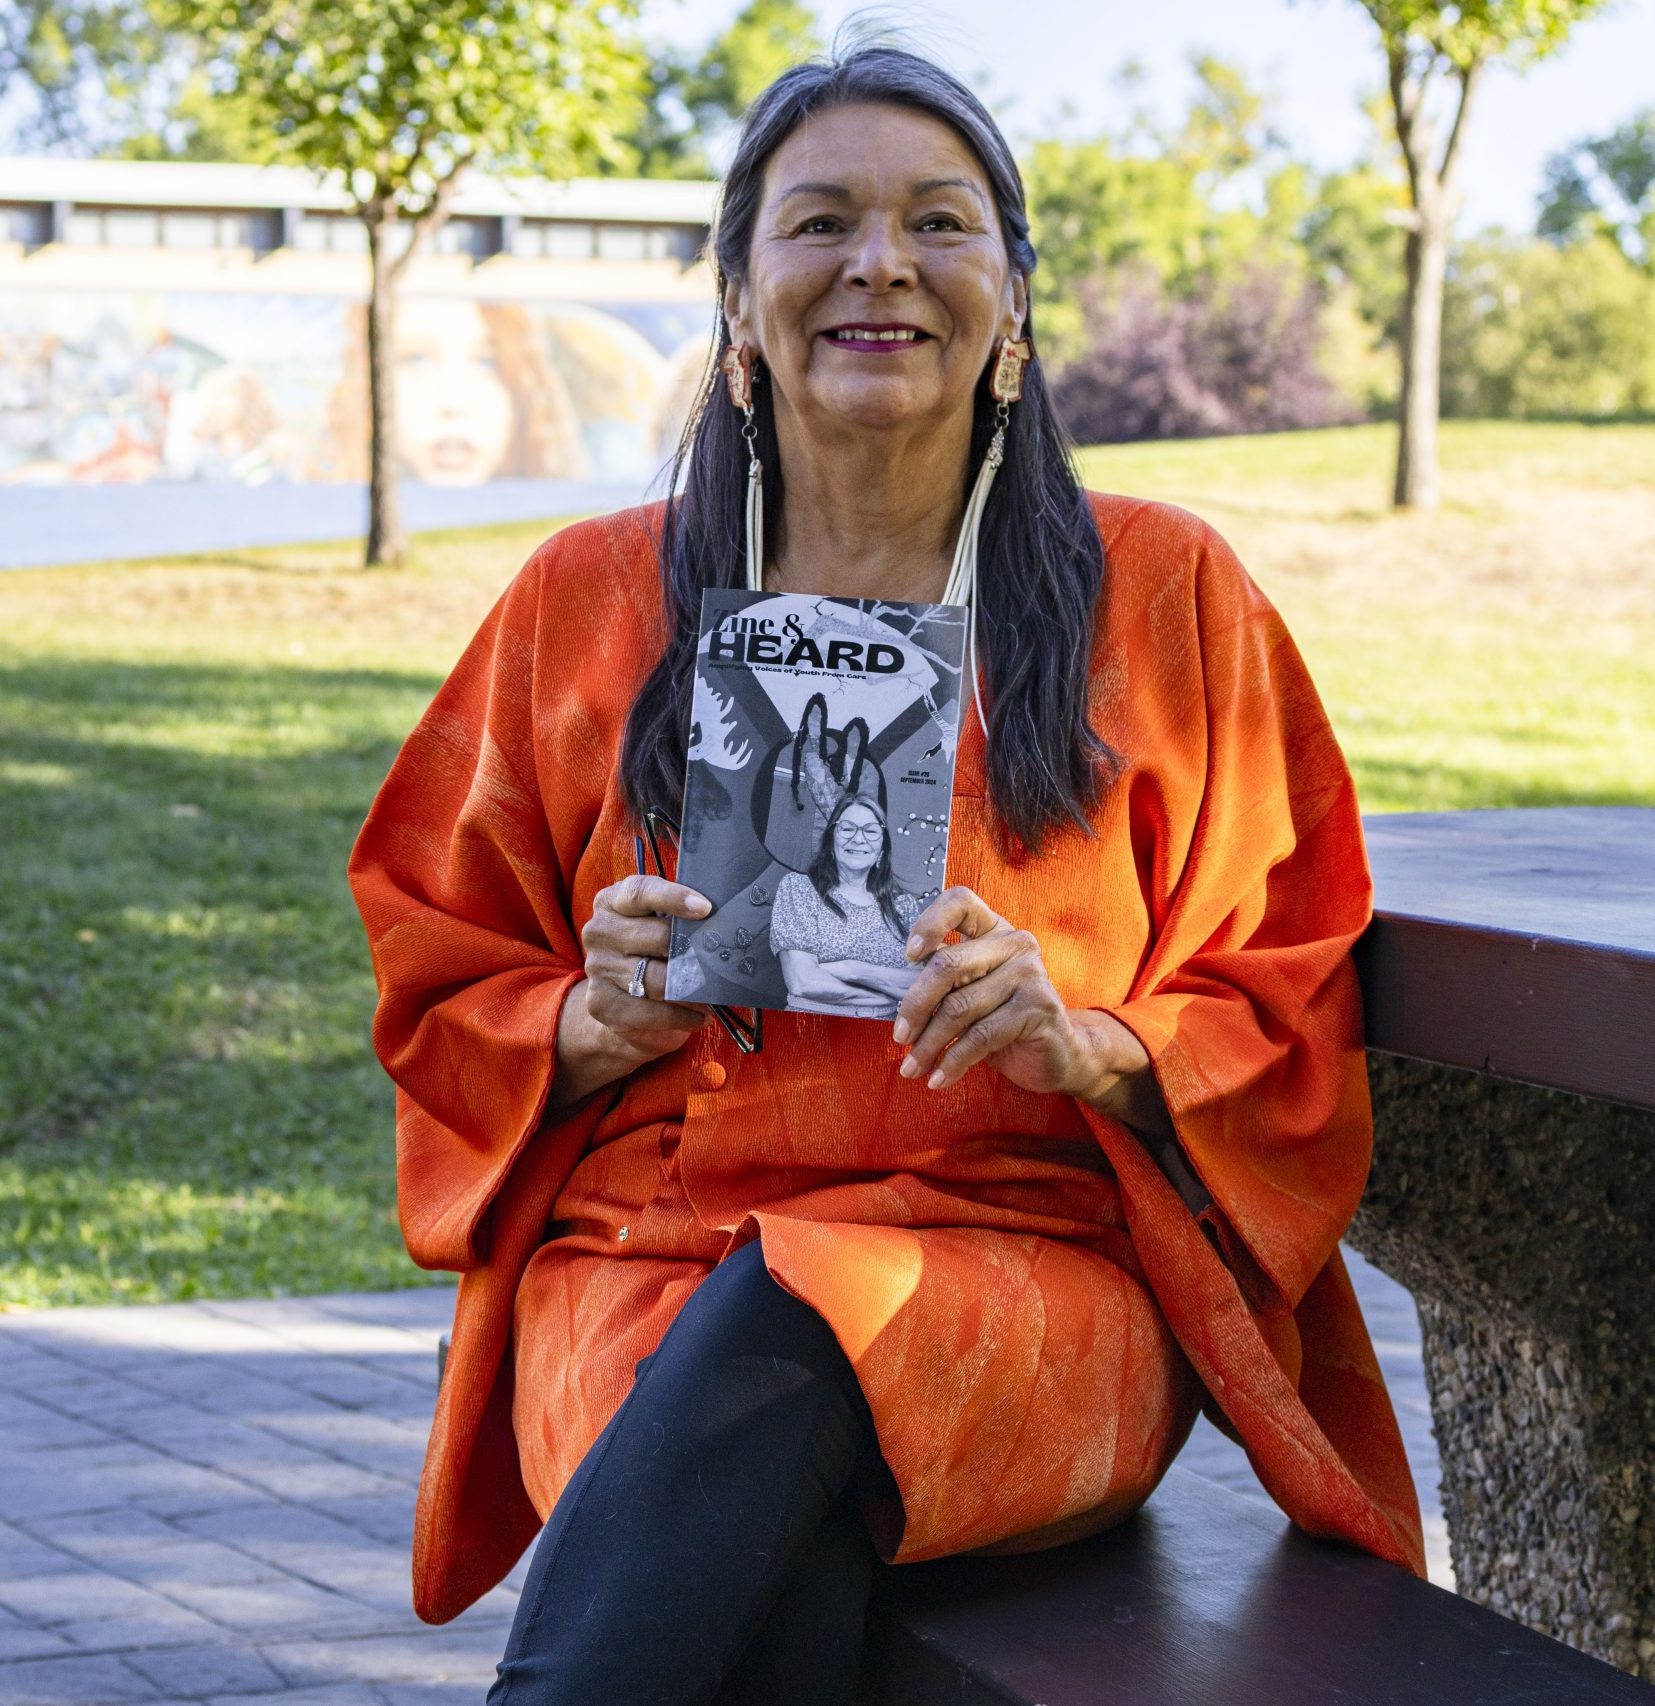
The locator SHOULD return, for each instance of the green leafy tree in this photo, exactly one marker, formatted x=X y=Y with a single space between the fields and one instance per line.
x=1095 y=211
x=194 y=120
x=1352 y=233
x=693 y=100
x=1352 y=229
x=79 y=73
x=1226 y=127
x=1531 y=329
x=1144 y=196
x=1605 y=185
x=114 y=78
x=662 y=140
x=1437 y=53
x=400 y=98
x=763 y=40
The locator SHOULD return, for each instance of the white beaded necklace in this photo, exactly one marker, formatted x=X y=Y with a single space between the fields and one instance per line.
x=961 y=587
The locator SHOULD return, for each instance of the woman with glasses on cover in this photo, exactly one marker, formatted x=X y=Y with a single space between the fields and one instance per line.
x=839 y=931
x=736 y=1329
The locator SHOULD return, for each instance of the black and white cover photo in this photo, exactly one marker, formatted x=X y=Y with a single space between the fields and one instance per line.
x=816 y=805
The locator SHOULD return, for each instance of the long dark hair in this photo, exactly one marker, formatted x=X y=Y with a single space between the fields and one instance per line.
x=882 y=885
x=1040 y=561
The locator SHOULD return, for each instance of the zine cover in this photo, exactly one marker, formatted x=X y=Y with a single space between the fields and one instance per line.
x=816 y=804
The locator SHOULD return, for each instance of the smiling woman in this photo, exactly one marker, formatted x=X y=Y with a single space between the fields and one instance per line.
x=738 y=1329
x=838 y=930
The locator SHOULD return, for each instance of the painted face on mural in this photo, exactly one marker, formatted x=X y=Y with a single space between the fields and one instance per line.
x=454 y=413
x=103 y=385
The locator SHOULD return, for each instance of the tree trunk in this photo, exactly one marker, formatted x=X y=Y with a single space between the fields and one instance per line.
x=387 y=543
x=1433 y=185
x=1417 y=485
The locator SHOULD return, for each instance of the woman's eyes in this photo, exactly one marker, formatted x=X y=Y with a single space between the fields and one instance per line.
x=950 y=221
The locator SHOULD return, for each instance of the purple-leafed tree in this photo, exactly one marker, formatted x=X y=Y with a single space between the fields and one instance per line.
x=1237 y=354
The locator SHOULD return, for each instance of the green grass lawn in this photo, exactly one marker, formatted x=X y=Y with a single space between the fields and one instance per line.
x=188 y=1104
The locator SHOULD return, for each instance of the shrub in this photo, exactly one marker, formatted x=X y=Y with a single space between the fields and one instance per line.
x=1231 y=356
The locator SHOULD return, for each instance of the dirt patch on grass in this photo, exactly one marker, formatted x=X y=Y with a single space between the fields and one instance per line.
x=312 y=602
x=1566 y=555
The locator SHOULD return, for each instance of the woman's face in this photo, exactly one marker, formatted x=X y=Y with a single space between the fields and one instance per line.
x=874 y=217
x=858 y=840
x=454 y=413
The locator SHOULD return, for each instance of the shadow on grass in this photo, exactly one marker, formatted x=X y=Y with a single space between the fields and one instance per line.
x=188 y=1100
x=73 y=685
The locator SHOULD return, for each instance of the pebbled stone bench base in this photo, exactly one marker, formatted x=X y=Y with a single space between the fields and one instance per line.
x=1539 y=1347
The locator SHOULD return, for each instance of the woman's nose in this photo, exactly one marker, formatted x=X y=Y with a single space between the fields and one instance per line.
x=882 y=260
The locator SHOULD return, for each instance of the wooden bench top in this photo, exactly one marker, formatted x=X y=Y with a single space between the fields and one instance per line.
x=1516 y=942
x=1206 y=1597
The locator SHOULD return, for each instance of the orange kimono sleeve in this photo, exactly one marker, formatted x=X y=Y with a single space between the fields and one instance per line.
x=465 y=901
x=1249 y=1008
x=1248 y=1003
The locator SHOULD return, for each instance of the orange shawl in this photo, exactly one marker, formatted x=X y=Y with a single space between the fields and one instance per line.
x=1211 y=910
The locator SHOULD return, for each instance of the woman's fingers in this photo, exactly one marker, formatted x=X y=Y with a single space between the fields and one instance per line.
x=616 y=970
x=641 y=895
x=974 y=997
x=612 y=1001
x=948 y=969
x=970 y=1023
x=957 y=908
x=624 y=937
x=632 y=921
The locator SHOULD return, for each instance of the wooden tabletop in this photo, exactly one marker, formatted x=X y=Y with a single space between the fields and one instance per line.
x=1517 y=942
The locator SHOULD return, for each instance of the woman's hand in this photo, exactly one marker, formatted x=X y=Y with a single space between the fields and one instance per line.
x=987 y=998
x=604 y=1031
x=632 y=920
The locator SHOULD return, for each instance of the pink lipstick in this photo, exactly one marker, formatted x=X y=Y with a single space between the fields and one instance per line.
x=872 y=337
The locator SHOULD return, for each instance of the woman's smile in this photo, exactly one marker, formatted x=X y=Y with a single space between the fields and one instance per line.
x=875 y=339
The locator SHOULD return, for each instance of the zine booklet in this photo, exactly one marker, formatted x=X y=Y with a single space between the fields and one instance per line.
x=816 y=804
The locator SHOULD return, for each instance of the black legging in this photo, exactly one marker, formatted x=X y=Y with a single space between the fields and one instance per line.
x=708 y=1551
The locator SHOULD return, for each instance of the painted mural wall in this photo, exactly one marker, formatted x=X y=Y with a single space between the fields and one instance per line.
x=102 y=386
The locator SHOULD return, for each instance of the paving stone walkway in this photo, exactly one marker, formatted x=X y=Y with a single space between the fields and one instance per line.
x=211 y=1502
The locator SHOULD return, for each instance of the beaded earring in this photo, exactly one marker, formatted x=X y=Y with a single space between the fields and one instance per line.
x=737 y=367
x=1005 y=386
